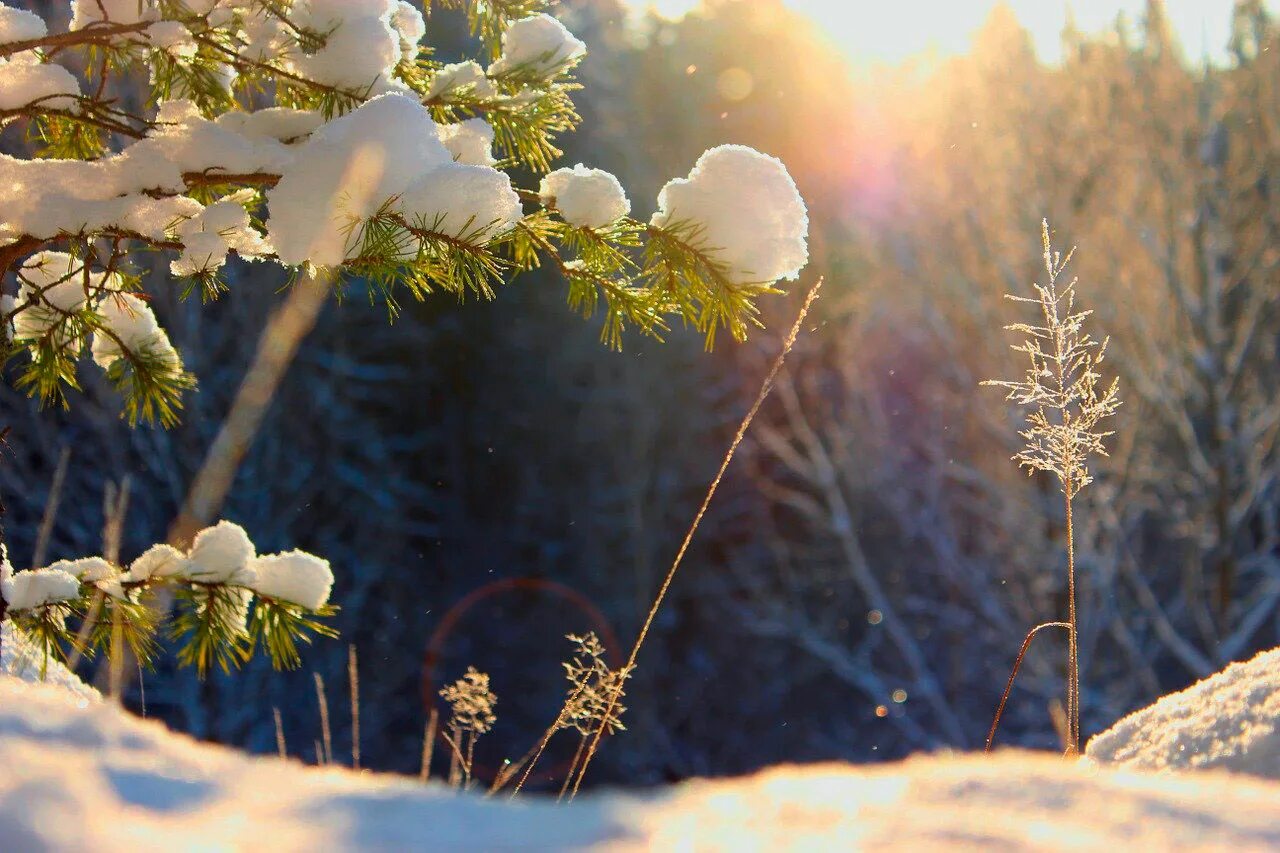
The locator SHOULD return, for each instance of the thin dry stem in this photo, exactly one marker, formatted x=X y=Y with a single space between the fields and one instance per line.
x=353 y=678
x=325 y=731
x=1017 y=664
x=429 y=744
x=51 y=509
x=280 y=747
x=765 y=388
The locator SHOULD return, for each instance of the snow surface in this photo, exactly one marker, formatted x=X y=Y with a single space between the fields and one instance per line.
x=89 y=776
x=1228 y=721
x=82 y=774
x=747 y=211
x=588 y=198
x=20 y=661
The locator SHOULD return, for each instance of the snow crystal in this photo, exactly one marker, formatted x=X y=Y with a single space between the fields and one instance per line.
x=220 y=554
x=26 y=81
x=472 y=202
x=158 y=561
x=470 y=142
x=20 y=25
x=747 y=210
x=265 y=37
x=36 y=587
x=453 y=77
x=295 y=577
x=347 y=170
x=588 y=198
x=538 y=43
x=1230 y=720
x=86 y=12
x=202 y=251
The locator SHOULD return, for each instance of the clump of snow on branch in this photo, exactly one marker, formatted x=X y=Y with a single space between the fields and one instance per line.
x=36 y=588
x=470 y=142
x=1228 y=721
x=25 y=80
x=220 y=554
x=158 y=561
x=295 y=577
x=387 y=150
x=539 y=44
x=465 y=76
x=361 y=46
x=743 y=210
x=588 y=198
x=52 y=286
x=86 y=12
x=20 y=25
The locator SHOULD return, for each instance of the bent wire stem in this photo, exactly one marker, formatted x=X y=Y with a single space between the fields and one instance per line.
x=1026 y=644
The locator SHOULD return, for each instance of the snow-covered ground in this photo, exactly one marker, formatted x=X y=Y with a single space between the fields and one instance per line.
x=1230 y=720
x=80 y=774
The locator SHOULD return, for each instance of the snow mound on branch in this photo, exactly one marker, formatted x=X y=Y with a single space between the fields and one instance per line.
x=386 y=150
x=458 y=75
x=220 y=554
x=361 y=46
x=1228 y=721
x=295 y=577
x=538 y=43
x=741 y=208
x=20 y=25
x=470 y=142
x=86 y=12
x=85 y=775
x=25 y=80
x=588 y=198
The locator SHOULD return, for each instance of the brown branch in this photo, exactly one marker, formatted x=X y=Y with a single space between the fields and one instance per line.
x=91 y=35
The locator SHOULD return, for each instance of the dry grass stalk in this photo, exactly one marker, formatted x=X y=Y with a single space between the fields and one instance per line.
x=280 y=747
x=51 y=509
x=326 y=733
x=1066 y=406
x=353 y=679
x=765 y=387
x=429 y=744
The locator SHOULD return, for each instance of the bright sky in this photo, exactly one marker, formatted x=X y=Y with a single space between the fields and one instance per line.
x=891 y=30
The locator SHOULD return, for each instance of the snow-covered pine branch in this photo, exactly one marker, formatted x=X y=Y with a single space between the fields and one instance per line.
x=218 y=580
x=321 y=134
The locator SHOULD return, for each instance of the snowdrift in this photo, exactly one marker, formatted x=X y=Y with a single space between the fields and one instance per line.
x=1228 y=721
x=80 y=774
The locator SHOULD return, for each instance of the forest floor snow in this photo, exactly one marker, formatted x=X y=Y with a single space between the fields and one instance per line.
x=81 y=774
x=1228 y=721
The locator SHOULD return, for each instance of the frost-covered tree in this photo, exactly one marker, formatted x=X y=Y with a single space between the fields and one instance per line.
x=322 y=136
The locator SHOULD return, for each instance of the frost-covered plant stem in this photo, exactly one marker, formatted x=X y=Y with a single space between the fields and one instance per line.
x=1066 y=407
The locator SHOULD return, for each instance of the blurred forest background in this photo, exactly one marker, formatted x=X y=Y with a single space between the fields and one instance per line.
x=873 y=560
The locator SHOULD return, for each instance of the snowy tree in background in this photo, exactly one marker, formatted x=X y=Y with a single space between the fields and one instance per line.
x=322 y=136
